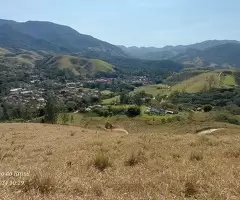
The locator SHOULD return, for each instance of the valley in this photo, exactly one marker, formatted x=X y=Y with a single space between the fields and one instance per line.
x=86 y=119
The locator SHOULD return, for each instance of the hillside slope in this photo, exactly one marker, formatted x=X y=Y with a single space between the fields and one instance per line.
x=81 y=66
x=52 y=37
x=62 y=162
x=12 y=38
x=18 y=58
x=206 y=80
x=171 y=51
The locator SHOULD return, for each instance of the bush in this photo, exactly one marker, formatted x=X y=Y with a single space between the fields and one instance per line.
x=233 y=109
x=42 y=184
x=190 y=189
x=133 y=111
x=207 y=108
x=102 y=112
x=135 y=158
x=163 y=120
x=226 y=118
x=117 y=111
x=196 y=156
x=101 y=161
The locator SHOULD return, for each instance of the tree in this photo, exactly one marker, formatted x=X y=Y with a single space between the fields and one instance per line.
x=124 y=98
x=133 y=111
x=52 y=110
x=41 y=112
x=1 y=113
x=207 y=108
x=71 y=106
x=6 y=115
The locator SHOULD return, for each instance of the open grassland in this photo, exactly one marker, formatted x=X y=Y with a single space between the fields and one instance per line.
x=153 y=89
x=82 y=66
x=106 y=92
x=199 y=82
x=21 y=58
x=229 y=80
x=102 y=66
x=64 y=162
x=110 y=100
x=191 y=82
x=64 y=62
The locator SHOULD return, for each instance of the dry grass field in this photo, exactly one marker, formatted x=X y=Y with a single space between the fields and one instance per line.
x=70 y=163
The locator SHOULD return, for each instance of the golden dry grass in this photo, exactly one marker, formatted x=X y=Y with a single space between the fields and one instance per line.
x=162 y=164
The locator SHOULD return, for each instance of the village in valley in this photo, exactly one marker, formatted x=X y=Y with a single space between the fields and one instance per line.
x=35 y=93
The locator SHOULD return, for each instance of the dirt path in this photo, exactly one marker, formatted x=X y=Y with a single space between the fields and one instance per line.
x=209 y=131
x=120 y=130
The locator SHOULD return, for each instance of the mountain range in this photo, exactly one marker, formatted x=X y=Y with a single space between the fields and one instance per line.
x=36 y=35
x=216 y=52
x=58 y=39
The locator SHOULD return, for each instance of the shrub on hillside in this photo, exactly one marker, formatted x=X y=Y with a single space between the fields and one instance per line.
x=133 y=111
x=117 y=111
x=233 y=109
x=135 y=158
x=42 y=184
x=207 y=108
x=222 y=117
x=101 y=161
x=196 y=156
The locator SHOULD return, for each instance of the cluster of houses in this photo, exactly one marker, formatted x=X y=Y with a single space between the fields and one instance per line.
x=101 y=80
x=138 y=79
x=34 y=94
x=25 y=96
x=134 y=79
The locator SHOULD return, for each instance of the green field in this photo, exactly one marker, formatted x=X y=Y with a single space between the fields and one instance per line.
x=102 y=66
x=229 y=80
x=199 y=82
x=81 y=66
x=110 y=100
x=106 y=92
x=153 y=89
x=203 y=81
x=22 y=58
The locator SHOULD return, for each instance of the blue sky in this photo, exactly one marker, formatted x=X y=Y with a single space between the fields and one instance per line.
x=135 y=22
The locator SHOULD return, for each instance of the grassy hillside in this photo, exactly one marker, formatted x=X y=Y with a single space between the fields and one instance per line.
x=228 y=79
x=192 y=82
x=101 y=66
x=37 y=35
x=81 y=66
x=63 y=162
x=153 y=89
x=4 y=51
x=199 y=82
x=19 y=58
x=110 y=100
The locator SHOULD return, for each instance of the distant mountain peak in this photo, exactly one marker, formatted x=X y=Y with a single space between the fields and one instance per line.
x=171 y=52
x=35 y=35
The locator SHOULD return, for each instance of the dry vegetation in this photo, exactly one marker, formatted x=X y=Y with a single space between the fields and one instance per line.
x=67 y=162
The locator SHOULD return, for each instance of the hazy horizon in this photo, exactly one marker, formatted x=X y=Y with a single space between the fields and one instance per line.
x=138 y=23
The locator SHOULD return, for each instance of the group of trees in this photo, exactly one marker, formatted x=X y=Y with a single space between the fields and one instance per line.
x=115 y=86
x=214 y=97
x=22 y=112
x=75 y=103
x=131 y=111
x=9 y=112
